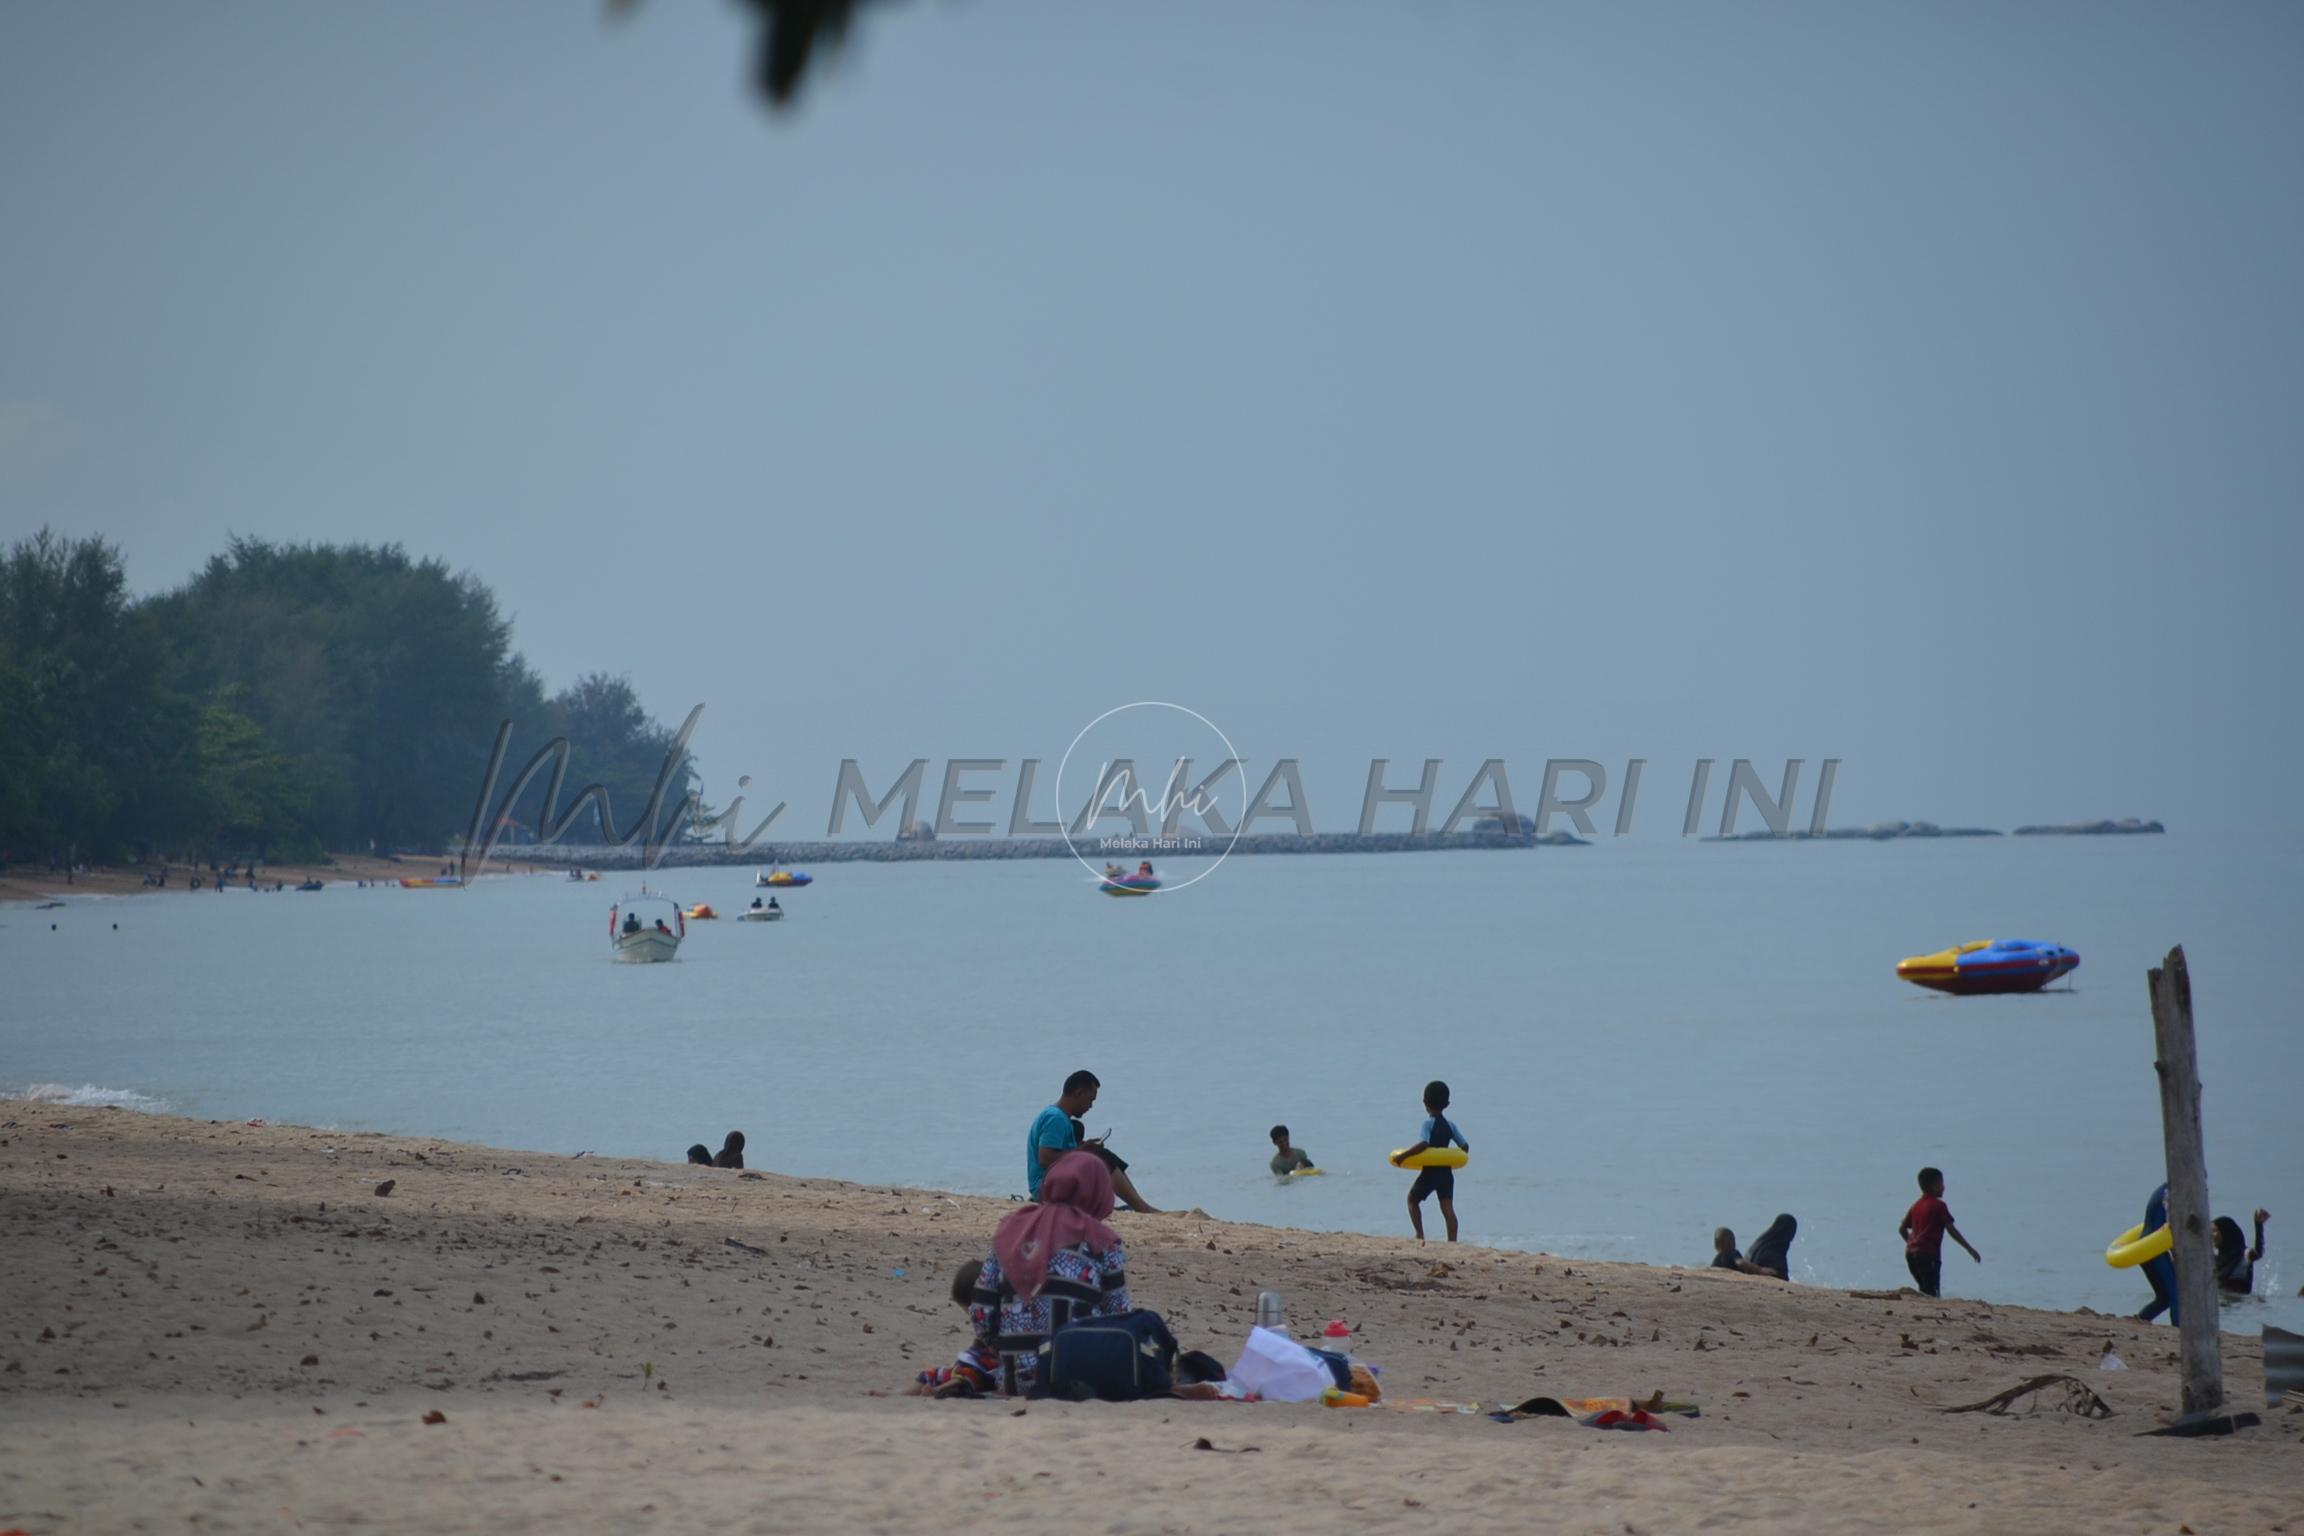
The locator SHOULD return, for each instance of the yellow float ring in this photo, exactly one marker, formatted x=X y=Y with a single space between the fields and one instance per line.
x=1433 y=1157
x=2132 y=1247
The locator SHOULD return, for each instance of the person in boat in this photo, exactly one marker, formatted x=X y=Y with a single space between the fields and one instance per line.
x=700 y=1154
x=1111 y=870
x=731 y=1152
x=1144 y=870
x=661 y=928
x=2235 y=1260
x=756 y=906
x=772 y=905
x=632 y=922
x=1772 y=1250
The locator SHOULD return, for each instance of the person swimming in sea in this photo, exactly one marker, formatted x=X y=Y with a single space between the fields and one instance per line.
x=2235 y=1260
x=1286 y=1157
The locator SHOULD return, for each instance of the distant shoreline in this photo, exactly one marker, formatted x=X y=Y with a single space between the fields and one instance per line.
x=1891 y=831
x=1129 y=851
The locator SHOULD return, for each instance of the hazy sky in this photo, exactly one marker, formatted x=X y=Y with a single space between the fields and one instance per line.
x=1918 y=386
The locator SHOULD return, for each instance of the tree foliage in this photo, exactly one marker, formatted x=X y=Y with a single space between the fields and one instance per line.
x=287 y=698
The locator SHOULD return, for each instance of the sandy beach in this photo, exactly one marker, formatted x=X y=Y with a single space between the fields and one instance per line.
x=227 y=1327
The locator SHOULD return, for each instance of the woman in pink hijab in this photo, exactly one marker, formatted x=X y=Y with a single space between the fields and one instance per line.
x=1053 y=1262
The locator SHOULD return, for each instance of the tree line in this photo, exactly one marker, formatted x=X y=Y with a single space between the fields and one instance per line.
x=288 y=699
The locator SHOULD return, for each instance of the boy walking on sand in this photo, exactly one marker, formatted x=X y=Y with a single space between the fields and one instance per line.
x=1923 y=1230
x=1439 y=1131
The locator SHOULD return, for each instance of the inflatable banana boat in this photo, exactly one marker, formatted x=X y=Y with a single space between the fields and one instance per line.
x=1990 y=965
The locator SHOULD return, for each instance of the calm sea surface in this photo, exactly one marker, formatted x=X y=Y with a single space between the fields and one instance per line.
x=1645 y=1039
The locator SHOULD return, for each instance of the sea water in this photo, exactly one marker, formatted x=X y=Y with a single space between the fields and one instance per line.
x=1646 y=1039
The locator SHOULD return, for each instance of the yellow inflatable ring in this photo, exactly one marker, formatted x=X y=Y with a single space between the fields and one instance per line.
x=1433 y=1157
x=2132 y=1247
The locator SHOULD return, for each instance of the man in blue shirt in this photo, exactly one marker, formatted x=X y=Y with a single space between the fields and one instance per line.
x=1056 y=1131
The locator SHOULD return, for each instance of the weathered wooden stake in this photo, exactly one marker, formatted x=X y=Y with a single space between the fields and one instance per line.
x=2179 y=1070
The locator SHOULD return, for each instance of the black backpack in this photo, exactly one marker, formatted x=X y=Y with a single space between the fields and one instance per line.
x=1112 y=1359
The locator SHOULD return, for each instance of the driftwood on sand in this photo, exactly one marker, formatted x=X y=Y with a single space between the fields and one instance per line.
x=2079 y=1398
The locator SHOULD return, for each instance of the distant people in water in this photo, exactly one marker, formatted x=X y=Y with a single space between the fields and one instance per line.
x=2235 y=1260
x=731 y=1152
x=1924 y=1229
x=1771 y=1252
x=1287 y=1158
x=700 y=1153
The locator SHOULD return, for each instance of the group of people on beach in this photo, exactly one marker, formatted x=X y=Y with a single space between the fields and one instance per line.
x=1056 y=1261
x=730 y=1155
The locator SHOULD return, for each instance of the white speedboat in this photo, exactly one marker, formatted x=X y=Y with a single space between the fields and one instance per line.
x=760 y=914
x=646 y=927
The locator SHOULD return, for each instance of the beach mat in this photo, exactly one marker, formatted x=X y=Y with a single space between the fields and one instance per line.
x=1585 y=1409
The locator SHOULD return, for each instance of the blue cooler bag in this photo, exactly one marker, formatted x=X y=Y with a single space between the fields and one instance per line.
x=1112 y=1359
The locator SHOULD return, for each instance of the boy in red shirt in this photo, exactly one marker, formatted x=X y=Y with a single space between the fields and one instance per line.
x=1923 y=1230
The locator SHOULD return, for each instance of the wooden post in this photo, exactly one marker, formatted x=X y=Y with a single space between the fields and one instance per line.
x=2194 y=1250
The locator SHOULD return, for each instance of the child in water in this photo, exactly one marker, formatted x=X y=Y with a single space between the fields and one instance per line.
x=1439 y=1131
x=1287 y=1159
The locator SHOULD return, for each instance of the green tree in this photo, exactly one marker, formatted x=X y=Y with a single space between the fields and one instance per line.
x=252 y=799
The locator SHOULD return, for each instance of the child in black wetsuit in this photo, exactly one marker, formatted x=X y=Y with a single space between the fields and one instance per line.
x=1439 y=1131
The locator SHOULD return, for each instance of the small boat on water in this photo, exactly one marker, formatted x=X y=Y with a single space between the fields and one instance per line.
x=1990 y=965
x=1130 y=885
x=701 y=912
x=646 y=927
x=430 y=883
x=782 y=879
x=310 y=885
x=759 y=914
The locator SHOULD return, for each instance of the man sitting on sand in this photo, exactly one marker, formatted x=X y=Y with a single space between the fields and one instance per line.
x=1057 y=1130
